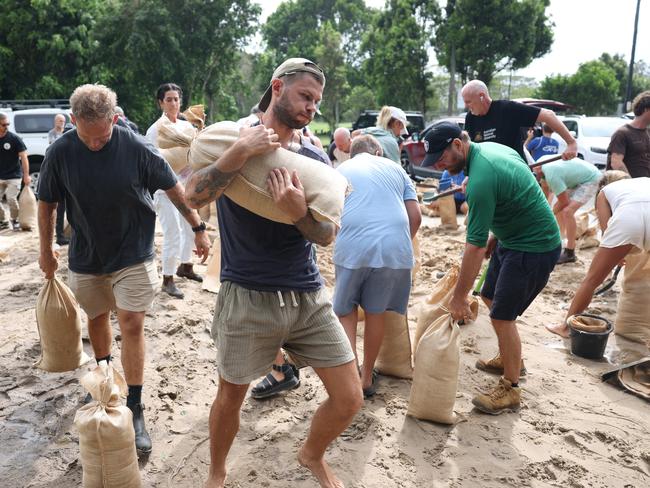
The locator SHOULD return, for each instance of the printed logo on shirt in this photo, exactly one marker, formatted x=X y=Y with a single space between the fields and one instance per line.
x=478 y=137
x=550 y=149
x=489 y=134
x=6 y=146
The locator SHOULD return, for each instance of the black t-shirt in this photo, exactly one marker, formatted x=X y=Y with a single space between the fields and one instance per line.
x=502 y=124
x=107 y=196
x=263 y=255
x=10 y=146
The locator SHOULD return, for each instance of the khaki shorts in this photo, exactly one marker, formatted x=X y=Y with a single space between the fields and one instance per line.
x=250 y=326
x=583 y=193
x=131 y=289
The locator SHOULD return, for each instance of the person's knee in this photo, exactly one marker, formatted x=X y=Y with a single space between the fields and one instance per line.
x=102 y=320
x=230 y=396
x=349 y=400
x=131 y=323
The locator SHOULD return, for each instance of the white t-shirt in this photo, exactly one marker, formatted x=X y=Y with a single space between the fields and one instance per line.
x=629 y=200
x=152 y=132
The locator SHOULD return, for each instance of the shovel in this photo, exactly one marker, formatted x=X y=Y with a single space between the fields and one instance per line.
x=609 y=283
x=549 y=160
x=429 y=197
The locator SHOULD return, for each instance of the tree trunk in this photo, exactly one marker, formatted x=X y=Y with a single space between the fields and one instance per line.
x=451 y=102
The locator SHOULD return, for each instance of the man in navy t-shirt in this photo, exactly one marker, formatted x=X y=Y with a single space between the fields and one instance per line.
x=14 y=167
x=105 y=175
x=272 y=293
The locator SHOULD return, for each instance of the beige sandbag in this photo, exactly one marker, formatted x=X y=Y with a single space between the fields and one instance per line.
x=177 y=157
x=447 y=209
x=394 y=358
x=587 y=324
x=633 y=313
x=58 y=318
x=195 y=115
x=106 y=435
x=212 y=277
x=431 y=309
x=582 y=223
x=27 y=209
x=417 y=254
x=435 y=378
x=325 y=188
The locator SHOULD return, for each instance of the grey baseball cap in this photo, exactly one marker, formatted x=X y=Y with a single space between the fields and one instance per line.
x=289 y=67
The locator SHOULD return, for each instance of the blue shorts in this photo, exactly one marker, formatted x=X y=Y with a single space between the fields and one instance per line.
x=377 y=290
x=515 y=278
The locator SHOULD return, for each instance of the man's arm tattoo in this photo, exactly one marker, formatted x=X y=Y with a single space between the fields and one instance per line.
x=212 y=182
x=179 y=202
x=321 y=233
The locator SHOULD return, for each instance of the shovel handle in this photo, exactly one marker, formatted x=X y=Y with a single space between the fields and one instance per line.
x=445 y=193
x=550 y=160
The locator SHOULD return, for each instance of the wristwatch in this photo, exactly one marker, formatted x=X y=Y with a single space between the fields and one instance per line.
x=199 y=228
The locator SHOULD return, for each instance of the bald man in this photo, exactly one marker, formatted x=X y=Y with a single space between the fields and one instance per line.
x=339 y=150
x=501 y=121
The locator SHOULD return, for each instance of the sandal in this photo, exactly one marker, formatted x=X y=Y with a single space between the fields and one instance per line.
x=372 y=389
x=269 y=386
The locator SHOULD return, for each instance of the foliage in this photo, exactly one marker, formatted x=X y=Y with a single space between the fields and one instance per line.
x=592 y=89
x=360 y=98
x=488 y=36
x=329 y=56
x=193 y=43
x=395 y=49
x=294 y=29
x=45 y=46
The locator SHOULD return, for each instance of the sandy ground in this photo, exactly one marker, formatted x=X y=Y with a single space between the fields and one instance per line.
x=573 y=430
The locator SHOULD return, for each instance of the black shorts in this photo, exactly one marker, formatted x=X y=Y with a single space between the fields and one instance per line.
x=515 y=278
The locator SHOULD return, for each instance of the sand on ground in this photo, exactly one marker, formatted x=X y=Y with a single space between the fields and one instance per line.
x=573 y=430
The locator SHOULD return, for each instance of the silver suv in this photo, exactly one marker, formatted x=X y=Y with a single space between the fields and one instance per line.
x=32 y=126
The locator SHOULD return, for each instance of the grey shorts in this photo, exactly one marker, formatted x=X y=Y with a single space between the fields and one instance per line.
x=249 y=327
x=132 y=289
x=377 y=290
x=583 y=193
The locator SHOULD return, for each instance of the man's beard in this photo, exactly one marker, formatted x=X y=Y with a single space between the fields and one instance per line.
x=456 y=167
x=284 y=115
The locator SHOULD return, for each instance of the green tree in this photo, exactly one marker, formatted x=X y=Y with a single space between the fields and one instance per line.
x=329 y=56
x=45 y=46
x=360 y=98
x=488 y=36
x=293 y=30
x=190 y=42
x=593 y=89
x=395 y=50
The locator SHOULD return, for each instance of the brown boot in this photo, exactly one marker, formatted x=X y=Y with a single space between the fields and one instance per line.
x=186 y=270
x=495 y=366
x=503 y=398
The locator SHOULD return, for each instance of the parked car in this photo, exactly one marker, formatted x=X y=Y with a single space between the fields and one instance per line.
x=413 y=152
x=368 y=118
x=593 y=135
x=32 y=126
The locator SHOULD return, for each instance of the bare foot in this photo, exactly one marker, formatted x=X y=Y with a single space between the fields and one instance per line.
x=321 y=470
x=216 y=481
x=559 y=329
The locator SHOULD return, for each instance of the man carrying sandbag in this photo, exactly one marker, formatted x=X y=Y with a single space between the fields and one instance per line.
x=14 y=167
x=272 y=293
x=503 y=198
x=373 y=253
x=106 y=175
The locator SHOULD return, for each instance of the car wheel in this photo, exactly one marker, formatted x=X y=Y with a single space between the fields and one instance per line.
x=406 y=164
x=34 y=183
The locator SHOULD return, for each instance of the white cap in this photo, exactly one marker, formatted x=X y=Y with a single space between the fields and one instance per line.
x=398 y=113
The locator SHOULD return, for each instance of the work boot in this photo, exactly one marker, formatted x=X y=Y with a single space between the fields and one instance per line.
x=142 y=439
x=503 y=398
x=495 y=366
x=567 y=256
x=186 y=270
x=170 y=287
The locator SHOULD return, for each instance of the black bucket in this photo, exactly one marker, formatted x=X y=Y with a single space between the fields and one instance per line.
x=590 y=345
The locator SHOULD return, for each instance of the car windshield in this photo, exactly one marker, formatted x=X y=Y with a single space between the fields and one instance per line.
x=601 y=127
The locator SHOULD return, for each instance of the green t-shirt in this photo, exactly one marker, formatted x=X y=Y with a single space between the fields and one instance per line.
x=563 y=175
x=505 y=198
x=387 y=141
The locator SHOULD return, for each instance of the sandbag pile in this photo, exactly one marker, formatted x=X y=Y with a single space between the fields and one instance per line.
x=27 y=209
x=325 y=188
x=633 y=313
x=106 y=435
x=58 y=318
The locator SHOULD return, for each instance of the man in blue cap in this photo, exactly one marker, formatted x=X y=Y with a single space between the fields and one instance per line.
x=510 y=221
